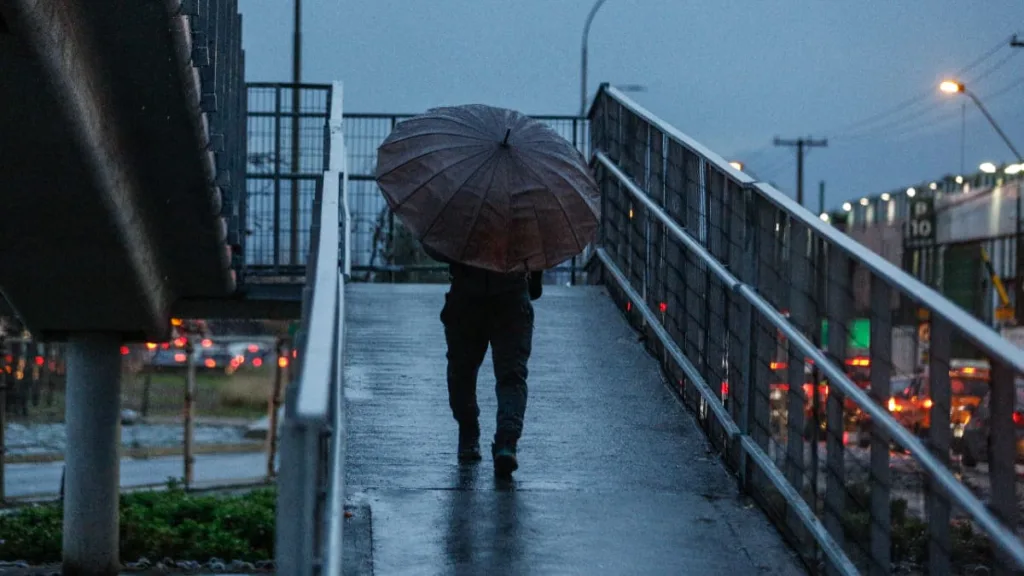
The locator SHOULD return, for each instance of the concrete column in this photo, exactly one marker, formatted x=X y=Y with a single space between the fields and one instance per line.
x=93 y=405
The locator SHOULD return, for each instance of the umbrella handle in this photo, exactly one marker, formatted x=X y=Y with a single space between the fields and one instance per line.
x=505 y=141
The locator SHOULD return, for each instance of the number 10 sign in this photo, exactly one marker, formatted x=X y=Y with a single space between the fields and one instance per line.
x=922 y=219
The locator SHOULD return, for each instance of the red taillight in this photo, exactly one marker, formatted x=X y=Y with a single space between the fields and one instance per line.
x=257 y=362
x=663 y=307
x=210 y=363
x=179 y=357
x=1018 y=419
x=165 y=346
x=124 y=351
x=282 y=361
x=180 y=342
x=206 y=342
x=253 y=348
x=39 y=361
x=777 y=365
x=725 y=389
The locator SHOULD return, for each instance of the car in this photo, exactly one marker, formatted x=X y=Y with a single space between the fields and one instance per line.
x=973 y=440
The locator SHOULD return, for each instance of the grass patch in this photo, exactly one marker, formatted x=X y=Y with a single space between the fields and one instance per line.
x=244 y=394
x=158 y=524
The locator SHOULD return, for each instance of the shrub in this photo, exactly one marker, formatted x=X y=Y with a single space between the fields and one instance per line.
x=170 y=523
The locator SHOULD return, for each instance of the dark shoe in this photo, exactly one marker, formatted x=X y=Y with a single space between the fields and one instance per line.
x=469 y=444
x=505 y=462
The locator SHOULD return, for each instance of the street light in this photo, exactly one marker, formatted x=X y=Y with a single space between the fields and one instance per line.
x=737 y=165
x=583 y=56
x=987 y=168
x=954 y=87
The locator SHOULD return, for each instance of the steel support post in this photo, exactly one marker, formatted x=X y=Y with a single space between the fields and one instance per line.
x=93 y=403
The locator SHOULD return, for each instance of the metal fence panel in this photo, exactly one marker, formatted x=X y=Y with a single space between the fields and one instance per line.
x=872 y=442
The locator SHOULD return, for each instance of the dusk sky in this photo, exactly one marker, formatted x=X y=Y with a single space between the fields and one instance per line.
x=732 y=74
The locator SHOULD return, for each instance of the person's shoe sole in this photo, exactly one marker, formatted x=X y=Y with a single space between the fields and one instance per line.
x=505 y=464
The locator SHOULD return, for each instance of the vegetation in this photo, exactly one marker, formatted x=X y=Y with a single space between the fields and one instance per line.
x=910 y=534
x=170 y=523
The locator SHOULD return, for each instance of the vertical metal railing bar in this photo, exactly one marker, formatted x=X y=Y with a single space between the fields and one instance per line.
x=937 y=504
x=881 y=484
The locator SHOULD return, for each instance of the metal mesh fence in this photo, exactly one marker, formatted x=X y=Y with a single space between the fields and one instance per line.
x=792 y=345
x=382 y=250
x=285 y=159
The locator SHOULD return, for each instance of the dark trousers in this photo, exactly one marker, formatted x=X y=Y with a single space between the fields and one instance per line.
x=471 y=323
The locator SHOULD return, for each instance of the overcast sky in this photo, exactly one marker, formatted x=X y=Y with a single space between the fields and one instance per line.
x=731 y=73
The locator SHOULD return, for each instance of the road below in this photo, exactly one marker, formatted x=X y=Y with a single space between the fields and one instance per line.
x=23 y=480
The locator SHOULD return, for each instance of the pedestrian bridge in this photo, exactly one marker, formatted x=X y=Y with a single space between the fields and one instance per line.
x=694 y=386
x=697 y=373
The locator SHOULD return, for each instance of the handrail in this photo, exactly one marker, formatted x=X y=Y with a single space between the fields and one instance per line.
x=978 y=332
x=310 y=508
x=1003 y=537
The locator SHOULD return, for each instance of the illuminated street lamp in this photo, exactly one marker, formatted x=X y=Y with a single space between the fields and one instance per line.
x=737 y=165
x=956 y=87
x=987 y=168
x=847 y=206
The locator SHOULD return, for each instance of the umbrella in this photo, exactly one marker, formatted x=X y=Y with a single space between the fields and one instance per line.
x=489 y=187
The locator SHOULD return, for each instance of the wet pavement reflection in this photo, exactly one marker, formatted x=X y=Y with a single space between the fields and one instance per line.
x=614 y=477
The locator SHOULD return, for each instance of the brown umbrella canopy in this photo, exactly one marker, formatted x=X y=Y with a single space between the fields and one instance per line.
x=489 y=187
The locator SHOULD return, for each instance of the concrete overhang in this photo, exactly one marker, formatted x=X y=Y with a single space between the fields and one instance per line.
x=110 y=213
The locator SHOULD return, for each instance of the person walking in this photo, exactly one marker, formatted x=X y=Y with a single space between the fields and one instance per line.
x=484 y=308
x=499 y=197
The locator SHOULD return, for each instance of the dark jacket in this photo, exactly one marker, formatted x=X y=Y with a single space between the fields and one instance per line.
x=479 y=282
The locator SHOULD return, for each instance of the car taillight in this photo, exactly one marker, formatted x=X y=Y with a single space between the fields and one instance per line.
x=892 y=405
x=1018 y=419
x=725 y=389
x=179 y=357
x=257 y=362
x=928 y=404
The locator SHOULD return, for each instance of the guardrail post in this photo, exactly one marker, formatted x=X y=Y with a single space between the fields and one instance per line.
x=93 y=406
x=881 y=483
x=1002 y=455
x=190 y=413
x=796 y=400
x=835 y=478
x=939 y=545
x=274 y=407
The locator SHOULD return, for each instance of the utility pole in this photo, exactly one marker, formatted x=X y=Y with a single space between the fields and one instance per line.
x=801 y=144
x=296 y=102
x=821 y=197
x=1019 y=276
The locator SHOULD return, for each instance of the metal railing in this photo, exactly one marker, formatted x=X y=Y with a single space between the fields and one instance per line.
x=822 y=372
x=311 y=484
x=285 y=162
x=381 y=248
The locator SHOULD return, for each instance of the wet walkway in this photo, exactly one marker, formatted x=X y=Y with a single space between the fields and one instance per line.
x=614 y=476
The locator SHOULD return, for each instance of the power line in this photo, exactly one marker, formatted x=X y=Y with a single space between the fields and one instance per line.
x=918 y=98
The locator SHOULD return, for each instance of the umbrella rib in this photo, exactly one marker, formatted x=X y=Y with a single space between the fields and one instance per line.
x=452 y=197
x=544 y=161
x=476 y=215
x=431 y=179
x=427 y=153
x=565 y=214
